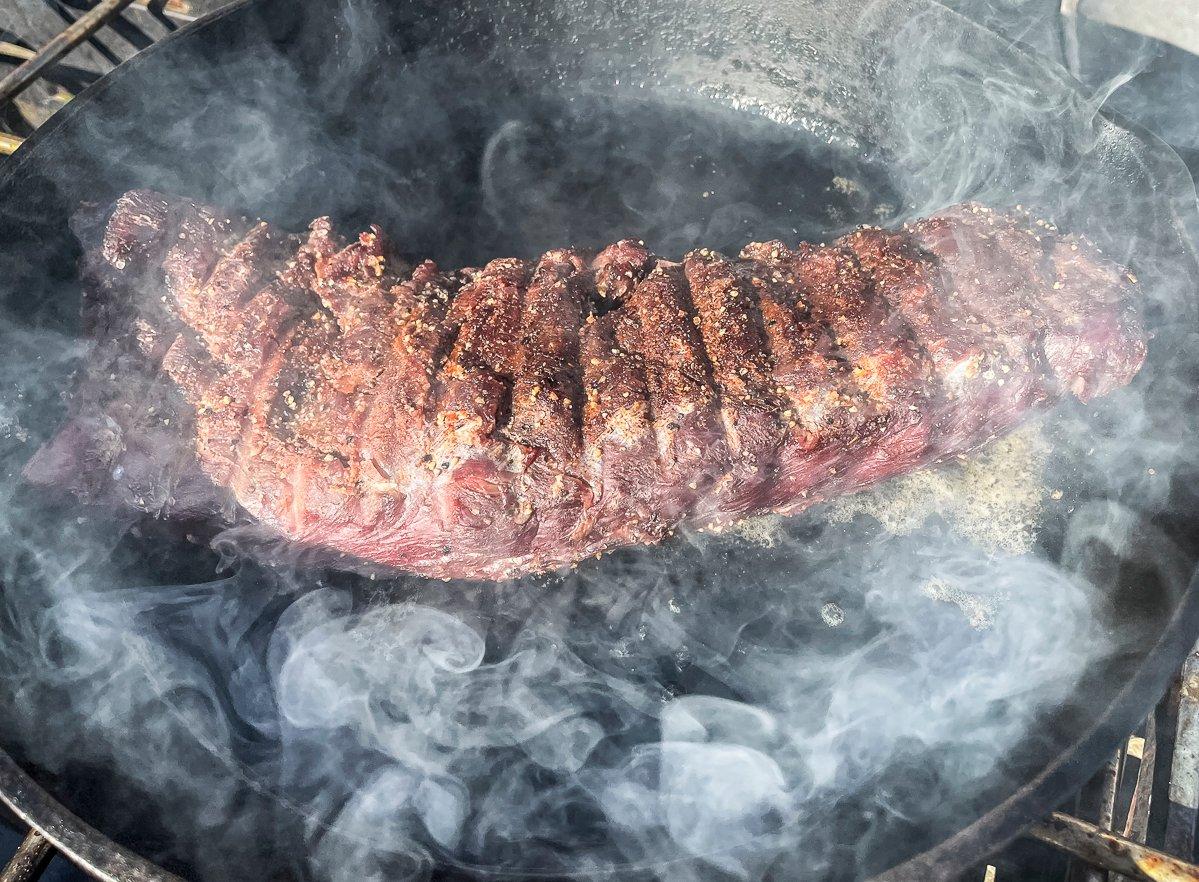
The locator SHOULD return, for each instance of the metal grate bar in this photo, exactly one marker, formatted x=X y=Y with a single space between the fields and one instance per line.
x=86 y=25
x=1110 y=852
x=1184 y=770
x=32 y=856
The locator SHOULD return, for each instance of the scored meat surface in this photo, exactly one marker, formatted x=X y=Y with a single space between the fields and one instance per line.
x=495 y=422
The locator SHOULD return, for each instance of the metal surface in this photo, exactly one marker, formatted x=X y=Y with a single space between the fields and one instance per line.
x=1108 y=851
x=1119 y=712
x=77 y=840
x=34 y=852
x=1175 y=23
x=80 y=30
x=1184 y=776
x=1046 y=790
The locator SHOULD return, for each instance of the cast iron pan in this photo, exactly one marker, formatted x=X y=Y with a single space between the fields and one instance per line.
x=380 y=112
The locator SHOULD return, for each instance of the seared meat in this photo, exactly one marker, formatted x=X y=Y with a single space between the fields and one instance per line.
x=494 y=422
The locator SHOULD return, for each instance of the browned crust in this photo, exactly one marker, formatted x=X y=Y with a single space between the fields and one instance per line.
x=546 y=391
x=692 y=448
x=507 y=420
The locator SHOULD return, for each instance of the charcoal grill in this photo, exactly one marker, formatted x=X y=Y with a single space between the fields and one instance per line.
x=304 y=37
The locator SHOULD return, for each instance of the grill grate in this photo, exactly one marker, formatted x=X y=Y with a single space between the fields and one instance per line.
x=1135 y=820
x=98 y=33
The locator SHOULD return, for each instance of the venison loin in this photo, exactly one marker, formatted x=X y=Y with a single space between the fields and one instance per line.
x=498 y=421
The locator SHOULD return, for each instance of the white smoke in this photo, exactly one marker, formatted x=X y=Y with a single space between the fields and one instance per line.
x=681 y=713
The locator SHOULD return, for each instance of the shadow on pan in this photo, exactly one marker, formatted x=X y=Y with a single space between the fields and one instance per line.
x=712 y=708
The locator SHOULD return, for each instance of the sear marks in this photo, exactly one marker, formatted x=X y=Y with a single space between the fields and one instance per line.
x=546 y=388
x=1093 y=349
x=969 y=362
x=495 y=422
x=544 y=421
x=474 y=497
x=888 y=396
x=692 y=448
x=827 y=417
x=730 y=325
x=401 y=403
x=478 y=372
x=619 y=268
x=620 y=448
x=869 y=335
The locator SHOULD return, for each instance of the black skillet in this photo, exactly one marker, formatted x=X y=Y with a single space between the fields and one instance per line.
x=472 y=131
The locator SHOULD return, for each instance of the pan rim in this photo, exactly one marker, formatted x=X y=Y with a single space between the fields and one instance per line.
x=999 y=825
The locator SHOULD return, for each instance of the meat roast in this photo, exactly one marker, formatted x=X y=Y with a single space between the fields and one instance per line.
x=492 y=422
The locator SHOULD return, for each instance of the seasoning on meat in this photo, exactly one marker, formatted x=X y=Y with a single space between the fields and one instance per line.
x=496 y=422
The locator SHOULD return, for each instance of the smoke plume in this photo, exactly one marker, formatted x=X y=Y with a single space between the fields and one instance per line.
x=820 y=706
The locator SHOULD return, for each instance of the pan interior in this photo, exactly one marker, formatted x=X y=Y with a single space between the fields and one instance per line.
x=803 y=707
